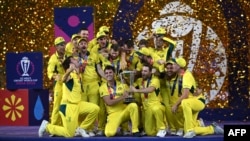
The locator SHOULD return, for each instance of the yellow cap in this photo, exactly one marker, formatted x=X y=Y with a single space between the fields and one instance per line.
x=100 y=34
x=59 y=40
x=180 y=61
x=160 y=30
x=169 y=62
x=81 y=39
x=104 y=28
x=75 y=36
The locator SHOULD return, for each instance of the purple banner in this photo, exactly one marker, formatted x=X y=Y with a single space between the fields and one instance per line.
x=69 y=20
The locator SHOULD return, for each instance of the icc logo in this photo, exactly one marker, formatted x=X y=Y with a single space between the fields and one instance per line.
x=181 y=26
x=25 y=67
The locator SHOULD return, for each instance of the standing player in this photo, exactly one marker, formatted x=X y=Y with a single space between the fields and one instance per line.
x=55 y=72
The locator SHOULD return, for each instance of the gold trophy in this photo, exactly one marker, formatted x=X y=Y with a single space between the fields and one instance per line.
x=128 y=76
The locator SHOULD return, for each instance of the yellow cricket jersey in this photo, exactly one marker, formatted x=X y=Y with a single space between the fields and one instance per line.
x=54 y=66
x=133 y=61
x=172 y=89
x=151 y=49
x=90 y=72
x=91 y=44
x=161 y=53
x=189 y=82
x=69 y=48
x=154 y=56
x=115 y=63
x=72 y=89
x=96 y=47
x=105 y=62
x=150 y=98
x=116 y=92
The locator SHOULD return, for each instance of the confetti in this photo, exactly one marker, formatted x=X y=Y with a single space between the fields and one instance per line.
x=28 y=26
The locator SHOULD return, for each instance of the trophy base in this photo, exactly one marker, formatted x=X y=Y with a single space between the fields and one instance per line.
x=129 y=100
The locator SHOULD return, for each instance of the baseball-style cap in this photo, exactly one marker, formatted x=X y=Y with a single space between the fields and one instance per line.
x=75 y=36
x=104 y=29
x=100 y=34
x=180 y=61
x=59 y=40
x=169 y=62
x=81 y=39
x=160 y=31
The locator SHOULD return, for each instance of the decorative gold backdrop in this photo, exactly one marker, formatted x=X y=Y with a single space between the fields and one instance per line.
x=27 y=25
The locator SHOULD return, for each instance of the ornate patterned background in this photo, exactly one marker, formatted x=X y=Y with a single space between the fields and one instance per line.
x=28 y=26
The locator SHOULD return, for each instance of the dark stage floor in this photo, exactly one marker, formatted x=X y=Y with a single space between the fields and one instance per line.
x=29 y=133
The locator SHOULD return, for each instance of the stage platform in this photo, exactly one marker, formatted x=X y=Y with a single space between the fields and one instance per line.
x=29 y=133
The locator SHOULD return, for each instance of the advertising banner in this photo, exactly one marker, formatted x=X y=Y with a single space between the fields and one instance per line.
x=24 y=70
x=23 y=107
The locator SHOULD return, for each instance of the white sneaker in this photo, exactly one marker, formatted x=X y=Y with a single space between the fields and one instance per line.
x=202 y=124
x=217 y=128
x=82 y=132
x=179 y=132
x=172 y=132
x=126 y=133
x=189 y=134
x=91 y=133
x=42 y=128
x=99 y=133
x=143 y=133
x=52 y=135
x=161 y=133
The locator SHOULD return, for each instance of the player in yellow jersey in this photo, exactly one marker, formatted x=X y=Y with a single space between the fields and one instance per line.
x=163 y=49
x=148 y=87
x=102 y=42
x=91 y=71
x=131 y=58
x=71 y=105
x=163 y=46
x=172 y=83
x=55 y=72
x=103 y=29
x=113 y=58
x=110 y=58
x=192 y=102
x=93 y=74
x=71 y=44
x=113 y=93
